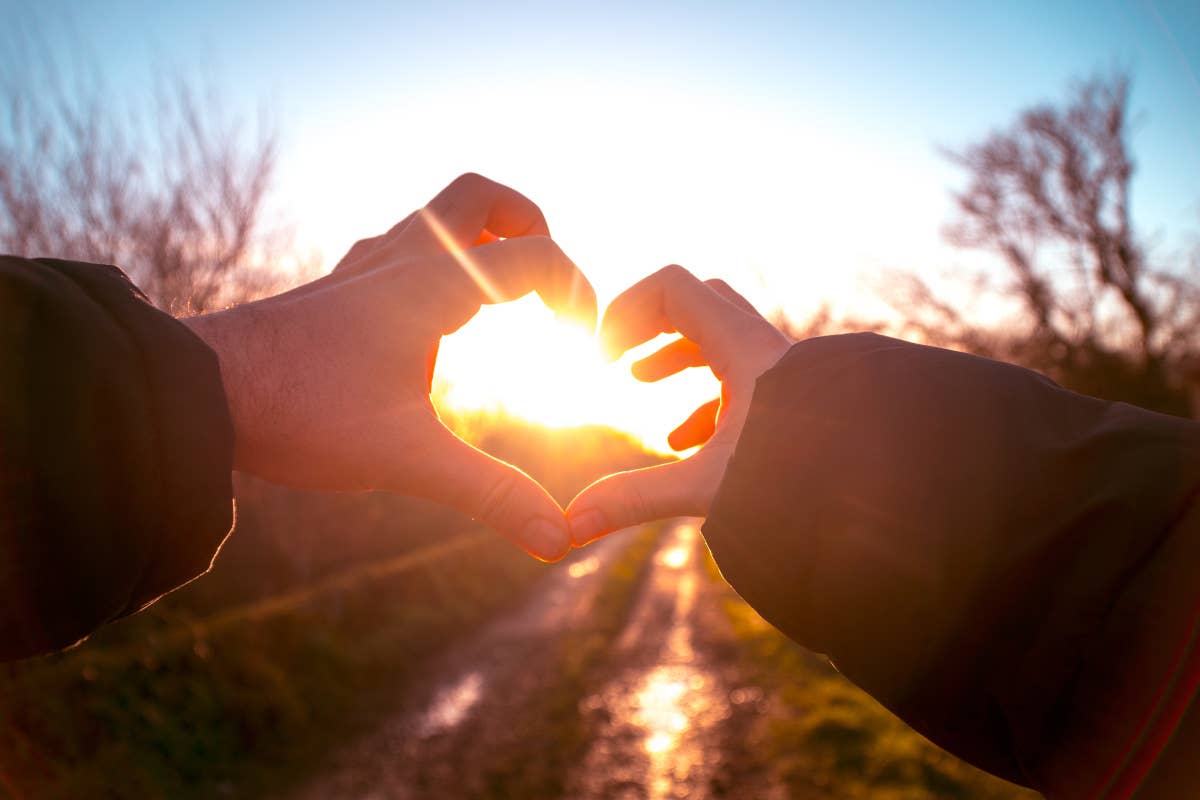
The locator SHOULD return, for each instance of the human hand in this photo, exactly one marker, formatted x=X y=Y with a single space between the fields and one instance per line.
x=721 y=330
x=329 y=384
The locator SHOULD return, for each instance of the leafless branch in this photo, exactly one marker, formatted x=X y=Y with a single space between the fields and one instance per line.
x=1049 y=195
x=173 y=190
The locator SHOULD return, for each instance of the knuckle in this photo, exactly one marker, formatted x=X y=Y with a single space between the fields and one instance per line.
x=749 y=330
x=540 y=247
x=624 y=500
x=675 y=275
x=469 y=181
x=499 y=497
x=636 y=506
x=674 y=272
x=356 y=251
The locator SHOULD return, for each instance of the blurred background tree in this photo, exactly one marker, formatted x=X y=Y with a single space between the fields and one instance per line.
x=177 y=191
x=1050 y=196
x=172 y=188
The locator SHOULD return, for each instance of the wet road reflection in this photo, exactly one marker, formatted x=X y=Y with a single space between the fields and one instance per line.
x=675 y=557
x=584 y=567
x=662 y=712
x=472 y=700
x=451 y=705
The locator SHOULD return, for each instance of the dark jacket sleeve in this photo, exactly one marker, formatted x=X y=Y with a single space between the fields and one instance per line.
x=115 y=453
x=1010 y=567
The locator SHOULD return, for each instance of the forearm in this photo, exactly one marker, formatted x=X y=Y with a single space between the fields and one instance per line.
x=954 y=532
x=279 y=361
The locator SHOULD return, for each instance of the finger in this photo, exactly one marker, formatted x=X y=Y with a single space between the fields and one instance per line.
x=697 y=428
x=729 y=293
x=668 y=360
x=684 y=488
x=359 y=250
x=672 y=299
x=431 y=365
x=494 y=492
x=508 y=269
x=473 y=204
x=365 y=247
x=684 y=353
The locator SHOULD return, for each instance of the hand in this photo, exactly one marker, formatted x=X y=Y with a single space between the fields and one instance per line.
x=328 y=384
x=721 y=330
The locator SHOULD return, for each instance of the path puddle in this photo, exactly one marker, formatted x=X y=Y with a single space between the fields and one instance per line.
x=584 y=567
x=662 y=712
x=675 y=557
x=452 y=705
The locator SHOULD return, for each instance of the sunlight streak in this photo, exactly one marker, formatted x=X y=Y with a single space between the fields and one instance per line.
x=462 y=256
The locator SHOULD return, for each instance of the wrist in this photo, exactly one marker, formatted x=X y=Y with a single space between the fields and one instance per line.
x=232 y=335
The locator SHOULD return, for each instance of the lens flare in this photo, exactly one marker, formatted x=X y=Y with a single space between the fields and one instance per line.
x=461 y=255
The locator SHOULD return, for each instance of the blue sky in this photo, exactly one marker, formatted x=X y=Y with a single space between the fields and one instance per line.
x=902 y=76
x=788 y=147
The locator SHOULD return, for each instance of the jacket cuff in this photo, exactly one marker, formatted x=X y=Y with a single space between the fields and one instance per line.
x=117 y=452
x=192 y=433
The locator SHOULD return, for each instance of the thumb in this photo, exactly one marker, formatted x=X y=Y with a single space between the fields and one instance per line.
x=495 y=493
x=623 y=499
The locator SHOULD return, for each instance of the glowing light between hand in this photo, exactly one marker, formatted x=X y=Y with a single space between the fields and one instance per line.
x=518 y=359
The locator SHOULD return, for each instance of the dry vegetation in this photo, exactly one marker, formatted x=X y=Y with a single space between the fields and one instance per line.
x=1077 y=292
x=173 y=189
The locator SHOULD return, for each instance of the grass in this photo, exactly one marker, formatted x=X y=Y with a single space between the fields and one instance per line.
x=246 y=708
x=824 y=736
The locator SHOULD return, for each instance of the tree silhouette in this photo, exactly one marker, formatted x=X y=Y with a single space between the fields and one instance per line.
x=172 y=190
x=1050 y=196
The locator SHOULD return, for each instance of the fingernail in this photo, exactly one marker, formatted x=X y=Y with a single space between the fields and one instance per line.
x=588 y=525
x=545 y=540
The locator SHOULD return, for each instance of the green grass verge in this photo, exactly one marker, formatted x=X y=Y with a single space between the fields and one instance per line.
x=246 y=709
x=822 y=735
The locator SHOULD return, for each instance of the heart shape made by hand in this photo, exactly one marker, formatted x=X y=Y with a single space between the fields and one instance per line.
x=329 y=385
x=562 y=379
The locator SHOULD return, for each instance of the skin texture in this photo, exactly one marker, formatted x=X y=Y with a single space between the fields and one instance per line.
x=328 y=384
x=722 y=331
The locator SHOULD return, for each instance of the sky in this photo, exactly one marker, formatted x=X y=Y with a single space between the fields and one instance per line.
x=791 y=148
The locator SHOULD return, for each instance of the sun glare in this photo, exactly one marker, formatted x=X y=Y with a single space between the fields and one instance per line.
x=518 y=359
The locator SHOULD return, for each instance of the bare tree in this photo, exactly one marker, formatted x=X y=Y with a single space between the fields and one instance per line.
x=1050 y=196
x=172 y=189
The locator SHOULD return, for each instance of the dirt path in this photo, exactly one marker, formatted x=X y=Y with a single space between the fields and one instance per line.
x=660 y=714
x=673 y=709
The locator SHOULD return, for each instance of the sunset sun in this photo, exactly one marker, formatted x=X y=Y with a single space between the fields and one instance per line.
x=519 y=359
